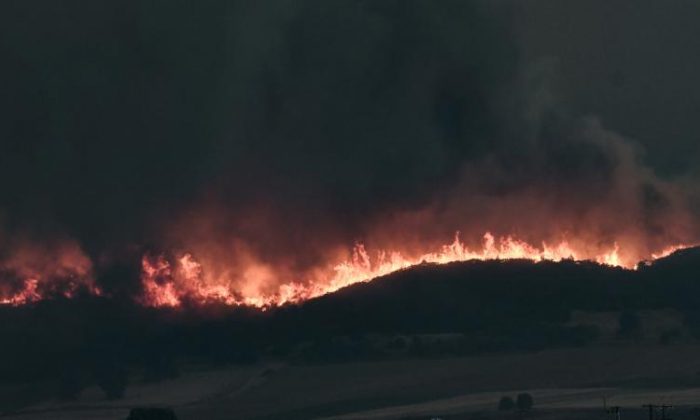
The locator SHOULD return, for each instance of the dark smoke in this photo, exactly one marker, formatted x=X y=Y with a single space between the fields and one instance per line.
x=281 y=130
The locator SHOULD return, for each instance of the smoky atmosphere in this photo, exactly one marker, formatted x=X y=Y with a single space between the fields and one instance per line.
x=350 y=209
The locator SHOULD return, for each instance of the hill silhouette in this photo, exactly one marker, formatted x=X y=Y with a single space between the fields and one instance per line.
x=471 y=307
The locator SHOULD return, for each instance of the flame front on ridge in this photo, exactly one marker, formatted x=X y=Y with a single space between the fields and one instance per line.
x=172 y=283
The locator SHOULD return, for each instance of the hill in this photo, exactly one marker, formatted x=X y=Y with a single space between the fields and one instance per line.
x=427 y=311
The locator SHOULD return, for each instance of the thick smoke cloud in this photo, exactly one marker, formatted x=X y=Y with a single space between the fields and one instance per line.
x=280 y=132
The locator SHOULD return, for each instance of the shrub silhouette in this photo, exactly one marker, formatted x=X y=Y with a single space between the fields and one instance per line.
x=506 y=404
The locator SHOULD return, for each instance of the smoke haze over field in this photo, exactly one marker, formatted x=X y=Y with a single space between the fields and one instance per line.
x=272 y=136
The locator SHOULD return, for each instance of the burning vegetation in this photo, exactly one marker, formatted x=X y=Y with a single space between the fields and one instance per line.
x=182 y=279
x=32 y=274
x=245 y=176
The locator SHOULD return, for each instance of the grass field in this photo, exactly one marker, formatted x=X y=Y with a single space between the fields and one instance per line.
x=572 y=383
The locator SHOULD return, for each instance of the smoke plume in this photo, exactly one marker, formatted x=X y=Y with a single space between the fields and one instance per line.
x=264 y=139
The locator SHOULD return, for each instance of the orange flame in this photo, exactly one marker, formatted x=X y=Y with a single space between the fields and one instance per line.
x=186 y=281
x=39 y=272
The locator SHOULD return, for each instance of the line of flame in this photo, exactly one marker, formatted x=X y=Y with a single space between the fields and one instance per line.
x=172 y=286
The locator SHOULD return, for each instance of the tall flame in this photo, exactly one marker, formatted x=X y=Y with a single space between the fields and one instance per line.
x=184 y=279
x=32 y=273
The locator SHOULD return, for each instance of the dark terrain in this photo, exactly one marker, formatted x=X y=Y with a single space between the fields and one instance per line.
x=430 y=316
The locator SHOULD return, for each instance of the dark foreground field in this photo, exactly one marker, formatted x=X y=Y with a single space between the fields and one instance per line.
x=434 y=341
x=565 y=384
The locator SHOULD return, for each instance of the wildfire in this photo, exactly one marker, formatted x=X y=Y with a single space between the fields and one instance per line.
x=184 y=279
x=34 y=290
x=33 y=273
x=27 y=294
x=168 y=286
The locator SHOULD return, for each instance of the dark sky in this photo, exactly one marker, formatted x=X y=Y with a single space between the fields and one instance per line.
x=632 y=63
x=289 y=122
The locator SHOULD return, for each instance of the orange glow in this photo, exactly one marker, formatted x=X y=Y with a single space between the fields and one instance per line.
x=32 y=273
x=185 y=279
x=667 y=251
x=27 y=294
